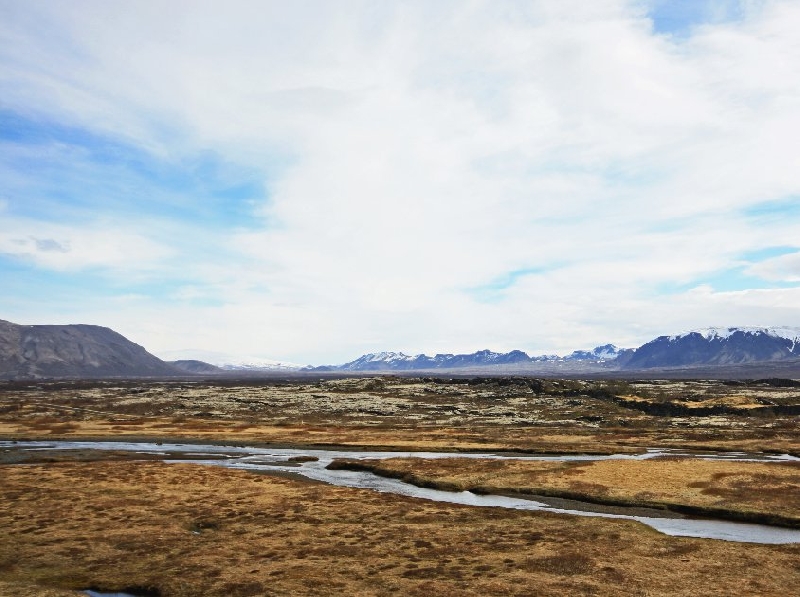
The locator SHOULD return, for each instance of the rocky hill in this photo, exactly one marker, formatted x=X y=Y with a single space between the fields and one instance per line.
x=76 y=351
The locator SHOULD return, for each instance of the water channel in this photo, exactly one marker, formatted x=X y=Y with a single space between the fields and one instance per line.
x=266 y=460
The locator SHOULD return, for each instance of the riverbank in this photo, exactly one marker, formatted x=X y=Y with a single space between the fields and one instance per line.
x=328 y=466
x=756 y=492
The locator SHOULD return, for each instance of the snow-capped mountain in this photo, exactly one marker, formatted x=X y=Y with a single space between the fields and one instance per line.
x=398 y=361
x=718 y=346
x=255 y=364
x=380 y=360
x=607 y=352
x=228 y=362
x=713 y=346
x=712 y=333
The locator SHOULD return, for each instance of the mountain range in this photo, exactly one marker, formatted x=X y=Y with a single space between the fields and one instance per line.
x=89 y=351
x=398 y=361
x=705 y=347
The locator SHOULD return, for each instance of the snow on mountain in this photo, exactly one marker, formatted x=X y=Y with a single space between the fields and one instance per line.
x=229 y=362
x=257 y=364
x=722 y=333
x=379 y=360
x=607 y=352
x=706 y=346
x=401 y=361
x=398 y=361
x=386 y=357
x=718 y=346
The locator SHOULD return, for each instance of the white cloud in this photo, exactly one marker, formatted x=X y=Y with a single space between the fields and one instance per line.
x=784 y=268
x=433 y=149
x=67 y=248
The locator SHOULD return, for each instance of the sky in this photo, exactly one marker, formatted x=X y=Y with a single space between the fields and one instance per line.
x=309 y=181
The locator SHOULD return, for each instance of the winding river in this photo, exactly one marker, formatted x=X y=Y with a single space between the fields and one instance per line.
x=268 y=460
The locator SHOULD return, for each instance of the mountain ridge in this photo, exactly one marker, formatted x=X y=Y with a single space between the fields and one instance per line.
x=89 y=351
x=718 y=346
x=702 y=347
x=77 y=350
x=399 y=361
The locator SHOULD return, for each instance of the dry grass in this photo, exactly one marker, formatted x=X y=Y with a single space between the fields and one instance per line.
x=540 y=439
x=178 y=529
x=738 y=490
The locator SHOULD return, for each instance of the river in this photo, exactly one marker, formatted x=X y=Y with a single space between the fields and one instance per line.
x=266 y=460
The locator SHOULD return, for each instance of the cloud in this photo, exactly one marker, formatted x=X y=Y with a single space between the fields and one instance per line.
x=63 y=248
x=785 y=268
x=45 y=245
x=413 y=176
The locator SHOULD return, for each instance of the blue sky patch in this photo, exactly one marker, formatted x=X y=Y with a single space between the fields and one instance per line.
x=79 y=173
x=730 y=280
x=768 y=253
x=787 y=207
x=493 y=291
x=30 y=286
x=736 y=278
x=680 y=17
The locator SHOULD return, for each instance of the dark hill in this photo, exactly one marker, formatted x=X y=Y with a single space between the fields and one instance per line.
x=76 y=351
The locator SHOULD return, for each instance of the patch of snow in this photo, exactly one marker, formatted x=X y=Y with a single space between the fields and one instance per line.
x=723 y=333
x=258 y=364
x=230 y=362
x=607 y=352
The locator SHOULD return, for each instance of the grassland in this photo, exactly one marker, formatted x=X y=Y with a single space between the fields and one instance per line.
x=85 y=519
x=459 y=414
x=744 y=491
x=175 y=529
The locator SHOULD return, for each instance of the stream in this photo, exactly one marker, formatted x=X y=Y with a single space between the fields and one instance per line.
x=267 y=460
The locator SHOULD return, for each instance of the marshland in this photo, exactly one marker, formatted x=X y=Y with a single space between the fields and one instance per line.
x=161 y=523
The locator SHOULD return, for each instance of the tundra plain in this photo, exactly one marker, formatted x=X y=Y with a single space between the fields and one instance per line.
x=76 y=520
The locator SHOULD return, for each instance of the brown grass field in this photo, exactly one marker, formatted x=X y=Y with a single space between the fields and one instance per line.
x=747 y=491
x=177 y=529
x=79 y=520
